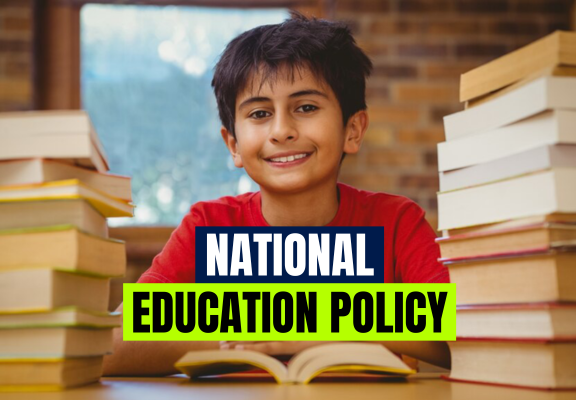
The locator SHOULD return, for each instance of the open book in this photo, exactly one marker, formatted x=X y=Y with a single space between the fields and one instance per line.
x=302 y=368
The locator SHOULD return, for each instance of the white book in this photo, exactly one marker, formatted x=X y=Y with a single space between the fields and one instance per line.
x=65 y=190
x=28 y=343
x=551 y=127
x=538 y=159
x=552 y=191
x=303 y=367
x=542 y=94
x=36 y=214
x=66 y=135
x=44 y=289
x=39 y=170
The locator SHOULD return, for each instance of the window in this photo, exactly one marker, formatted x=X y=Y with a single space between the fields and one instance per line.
x=145 y=81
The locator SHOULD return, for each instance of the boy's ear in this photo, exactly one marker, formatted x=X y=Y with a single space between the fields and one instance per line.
x=232 y=145
x=355 y=130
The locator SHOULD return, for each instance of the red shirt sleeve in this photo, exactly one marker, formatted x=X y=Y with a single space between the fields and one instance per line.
x=416 y=252
x=176 y=262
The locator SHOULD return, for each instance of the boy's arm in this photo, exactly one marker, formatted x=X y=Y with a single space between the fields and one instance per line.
x=148 y=358
x=436 y=353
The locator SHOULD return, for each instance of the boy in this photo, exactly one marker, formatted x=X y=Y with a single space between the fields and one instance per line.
x=291 y=101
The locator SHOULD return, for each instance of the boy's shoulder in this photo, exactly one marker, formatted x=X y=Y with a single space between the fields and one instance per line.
x=227 y=210
x=384 y=202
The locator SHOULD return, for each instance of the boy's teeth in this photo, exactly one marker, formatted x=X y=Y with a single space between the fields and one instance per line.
x=289 y=158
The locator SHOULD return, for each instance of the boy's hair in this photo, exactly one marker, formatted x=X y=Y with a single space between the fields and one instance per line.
x=326 y=48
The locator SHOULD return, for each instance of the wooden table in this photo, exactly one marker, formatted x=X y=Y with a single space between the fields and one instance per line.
x=178 y=387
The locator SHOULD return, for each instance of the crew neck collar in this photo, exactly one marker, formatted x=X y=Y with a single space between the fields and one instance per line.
x=259 y=220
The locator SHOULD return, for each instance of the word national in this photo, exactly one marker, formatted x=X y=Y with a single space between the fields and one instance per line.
x=313 y=254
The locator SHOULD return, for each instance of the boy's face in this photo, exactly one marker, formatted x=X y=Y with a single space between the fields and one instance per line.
x=290 y=137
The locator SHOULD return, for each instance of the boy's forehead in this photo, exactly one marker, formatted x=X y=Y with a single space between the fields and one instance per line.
x=283 y=81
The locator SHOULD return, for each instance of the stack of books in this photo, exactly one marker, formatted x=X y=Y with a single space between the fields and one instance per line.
x=56 y=258
x=507 y=212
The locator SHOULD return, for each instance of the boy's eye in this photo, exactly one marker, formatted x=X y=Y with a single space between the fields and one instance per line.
x=259 y=114
x=307 y=108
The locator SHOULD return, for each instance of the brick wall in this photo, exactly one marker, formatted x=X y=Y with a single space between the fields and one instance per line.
x=15 y=55
x=419 y=49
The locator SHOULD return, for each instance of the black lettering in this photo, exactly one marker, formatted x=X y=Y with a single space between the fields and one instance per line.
x=157 y=299
x=368 y=312
x=230 y=303
x=381 y=326
x=421 y=299
x=306 y=314
x=338 y=311
x=139 y=311
x=266 y=312
x=251 y=298
x=288 y=314
x=437 y=308
x=191 y=312
x=202 y=312
x=399 y=312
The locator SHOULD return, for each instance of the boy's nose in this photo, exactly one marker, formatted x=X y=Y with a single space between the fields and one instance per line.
x=283 y=130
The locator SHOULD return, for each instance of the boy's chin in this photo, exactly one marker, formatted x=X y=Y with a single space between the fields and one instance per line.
x=288 y=187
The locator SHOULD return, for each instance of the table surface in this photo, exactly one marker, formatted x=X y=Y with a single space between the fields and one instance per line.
x=176 y=387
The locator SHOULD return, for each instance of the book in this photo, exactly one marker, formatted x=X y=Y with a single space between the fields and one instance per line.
x=525 y=320
x=63 y=247
x=528 y=277
x=534 y=160
x=546 y=192
x=518 y=223
x=69 y=189
x=50 y=374
x=32 y=343
x=547 y=128
x=45 y=213
x=546 y=93
x=70 y=316
x=524 y=238
x=66 y=135
x=550 y=71
x=44 y=289
x=302 y=368
x=39 y=170
x=556 y=49
x=545 y=364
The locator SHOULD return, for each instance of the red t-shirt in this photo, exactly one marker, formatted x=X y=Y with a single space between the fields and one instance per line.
x=410 y=253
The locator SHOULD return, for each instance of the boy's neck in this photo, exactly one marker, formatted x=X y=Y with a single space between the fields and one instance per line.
x=315 y=207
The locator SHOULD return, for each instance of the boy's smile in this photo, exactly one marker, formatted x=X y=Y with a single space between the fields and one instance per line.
x=290 y=136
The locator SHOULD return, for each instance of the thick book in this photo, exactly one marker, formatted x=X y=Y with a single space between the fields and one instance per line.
x=525 y=277
x=65 y=135
x=302 y=368
x=543 y=364
x=523 y=238
x=546 y=93
x=50 y=374
x=31 y=343
x=546 y=192
x=551 y=71
x=70 y=316
x=548 y=128
x=556 y=49
x=522 y=320
x=39 y=170
x=43 y=289
x=538 y=159
x=62 y=247
x=45 y=213
x=68 y=190
x=518 y=223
